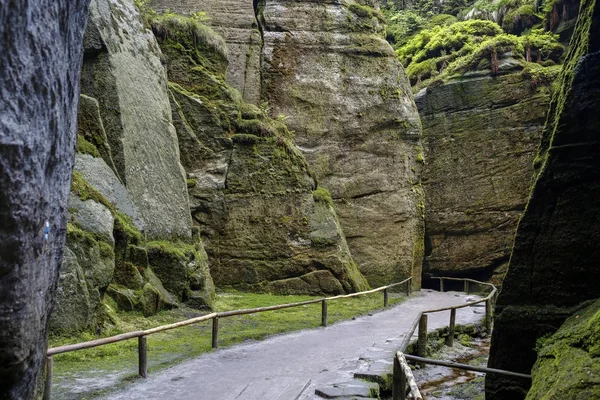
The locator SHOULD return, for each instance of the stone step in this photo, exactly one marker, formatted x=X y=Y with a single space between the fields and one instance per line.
x=354 y=389
x=380 y=372
x=276 y=388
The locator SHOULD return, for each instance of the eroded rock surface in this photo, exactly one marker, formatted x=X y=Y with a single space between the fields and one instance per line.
x=39 y=85
x=328 y=70
x=266 y=225
x=480 y=139
x=122 y=70
x=554 y=262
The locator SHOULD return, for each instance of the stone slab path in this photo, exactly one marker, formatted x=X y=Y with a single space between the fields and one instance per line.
x=292 y=366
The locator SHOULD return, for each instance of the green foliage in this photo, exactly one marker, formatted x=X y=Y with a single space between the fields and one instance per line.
x=366 y=11
x=489 y=49
x=545 y=44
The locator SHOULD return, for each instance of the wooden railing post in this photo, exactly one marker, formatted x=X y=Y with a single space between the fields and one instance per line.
x=467 y=287
x=324 y=313
x=450 y=337
x=48 y=381
x=422 y=340
x=215 y=333
x=441 y=284
x=143 y=356
x=488 y=315
x=399 y=381
x=408 y=284
x=385 y=298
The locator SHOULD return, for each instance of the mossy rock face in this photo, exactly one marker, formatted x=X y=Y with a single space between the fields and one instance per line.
x=235 y=20
x=568 y=363
x=330 y=72
x=253 y=192
x=124 y=74
x=182 y=268
x=554 y=261
x=480 y=139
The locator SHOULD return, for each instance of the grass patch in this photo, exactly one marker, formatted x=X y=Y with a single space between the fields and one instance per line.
x=112 y=366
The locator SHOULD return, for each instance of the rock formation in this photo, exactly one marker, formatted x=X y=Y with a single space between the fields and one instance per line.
x=480 y=138
x=39 y=83
x=327 y=70
x=553 y=266
x=266 y=225
x=129 y=235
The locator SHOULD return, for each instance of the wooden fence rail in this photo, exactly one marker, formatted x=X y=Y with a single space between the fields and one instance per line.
x=403 y=376
x=142 y=335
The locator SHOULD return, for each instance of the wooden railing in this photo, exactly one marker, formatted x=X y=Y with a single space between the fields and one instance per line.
x=142 y=335
x=402 y=373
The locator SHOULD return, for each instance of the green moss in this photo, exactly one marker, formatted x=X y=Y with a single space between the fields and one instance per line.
x=322 y=195
x=366 y=11
x=85 y=147
x=567 y=366
x=191 y=183
x=82 y=189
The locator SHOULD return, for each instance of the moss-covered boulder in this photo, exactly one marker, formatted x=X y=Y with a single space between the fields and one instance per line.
x=554 y=261
x=568 y=363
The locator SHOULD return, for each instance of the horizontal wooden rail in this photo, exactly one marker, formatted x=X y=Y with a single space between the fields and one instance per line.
x=452 y=364
x=406 y=377
x=142 y=335
x=400 y=378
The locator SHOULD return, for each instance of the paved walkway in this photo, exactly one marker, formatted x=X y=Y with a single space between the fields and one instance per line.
x=290 y=366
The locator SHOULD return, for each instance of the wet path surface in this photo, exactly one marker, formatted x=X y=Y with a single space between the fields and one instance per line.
x=290 y=366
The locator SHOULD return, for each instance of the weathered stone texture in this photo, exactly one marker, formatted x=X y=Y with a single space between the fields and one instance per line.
x=554 y=262
x=328 y=70
x=123 y=71
x=39 y=87
x=480 y=138
x=235 y=20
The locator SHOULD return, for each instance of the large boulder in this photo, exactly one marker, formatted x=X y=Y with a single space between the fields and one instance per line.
x=122 y=70
x=328 y=70
x=39 y=85
x=480 y=138
x=554 y=262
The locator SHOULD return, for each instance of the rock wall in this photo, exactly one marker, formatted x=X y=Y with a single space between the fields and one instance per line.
x=554 y=262
x=266 y=225
x=480 y=139
x=235 y=20
x=122 y=70
x=567 y=367
x=328 y=70
x=39 y=84
x=129 y=238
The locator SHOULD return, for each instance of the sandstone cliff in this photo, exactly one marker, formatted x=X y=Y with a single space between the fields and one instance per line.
x=553 y=266
x=480 y=139
x=265 y=224
x=327 y=70
x=129 y=238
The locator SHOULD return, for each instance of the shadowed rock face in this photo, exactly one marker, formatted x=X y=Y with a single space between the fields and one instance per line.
x=480 y=139
x=554 y=263
x=39 y=86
